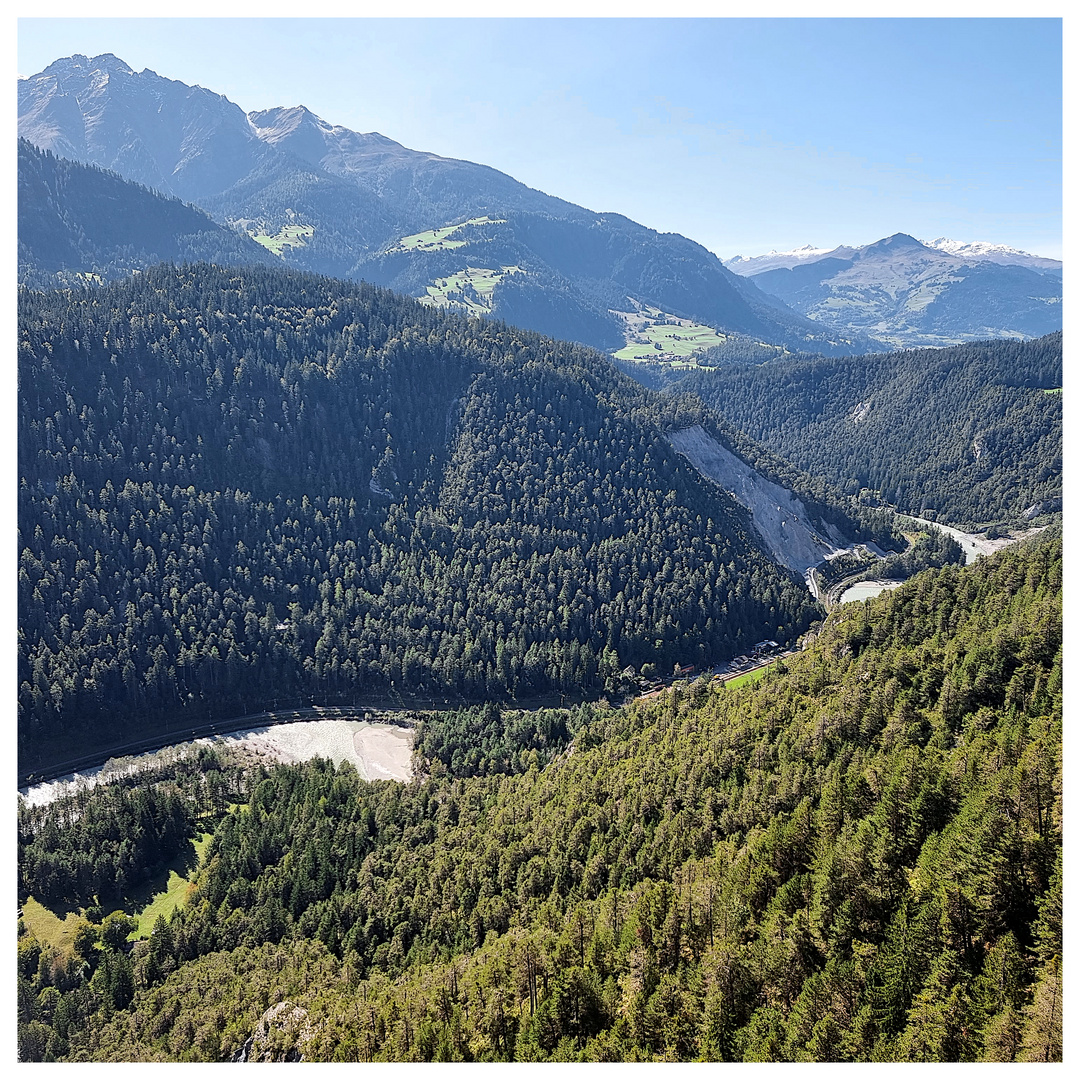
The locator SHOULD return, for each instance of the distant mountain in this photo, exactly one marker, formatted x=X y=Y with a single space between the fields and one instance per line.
x=180 y=140
x=995 y=253
x=335 y=201
x=757 y=264
x=907 y=293
x=77 y=222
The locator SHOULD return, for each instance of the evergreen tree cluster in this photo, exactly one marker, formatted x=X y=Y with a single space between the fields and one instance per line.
x=968 y=433
x=89 y=848
x=79 y=223
x=857 y=858
x=485 y=739
x=104 y=844
x=248 y=488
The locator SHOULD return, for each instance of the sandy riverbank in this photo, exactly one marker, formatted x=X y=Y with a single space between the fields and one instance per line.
x=865 y=590
x=377 y=751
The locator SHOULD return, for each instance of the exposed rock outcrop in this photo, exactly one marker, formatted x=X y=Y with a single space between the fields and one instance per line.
x=780 y=518
x=279 y=1035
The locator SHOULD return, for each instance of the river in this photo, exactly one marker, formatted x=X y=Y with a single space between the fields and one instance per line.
x=377 y=751
x=975 y=544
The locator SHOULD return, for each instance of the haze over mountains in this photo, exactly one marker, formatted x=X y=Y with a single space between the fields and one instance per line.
x=463 y=235
x=979 y=250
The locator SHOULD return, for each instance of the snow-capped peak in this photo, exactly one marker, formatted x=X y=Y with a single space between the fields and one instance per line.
x=975 y=249
x=807 y=251
x=996 y=253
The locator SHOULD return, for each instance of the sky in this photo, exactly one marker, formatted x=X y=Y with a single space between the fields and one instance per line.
x=745 y=134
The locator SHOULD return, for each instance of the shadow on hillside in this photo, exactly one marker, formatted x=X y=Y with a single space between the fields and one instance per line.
x=135 y=899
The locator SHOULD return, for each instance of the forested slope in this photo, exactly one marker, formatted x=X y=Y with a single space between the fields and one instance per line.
x=857 y=858
x=354 y=196
x=241 y=488
x=968 y=432
x=78 y=223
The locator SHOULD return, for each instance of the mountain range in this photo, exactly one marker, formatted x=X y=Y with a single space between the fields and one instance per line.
x=245 y=486
x=353 y=205
x=1001 y=254
x=978 y=251
x=463 y=235
x=909 y=293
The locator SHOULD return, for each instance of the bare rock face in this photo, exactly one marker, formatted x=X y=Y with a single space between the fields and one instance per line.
x=780 y=518
x=177 y=139
x=279 y=1035
x=1046 y=506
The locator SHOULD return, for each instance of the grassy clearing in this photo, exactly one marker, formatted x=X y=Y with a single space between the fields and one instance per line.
x=439 y=239
x=659 y=337
x=48 y=927
x=469 y=290
x=163 y=894
x=287 y=236
x=80 y=277
x=749 y=677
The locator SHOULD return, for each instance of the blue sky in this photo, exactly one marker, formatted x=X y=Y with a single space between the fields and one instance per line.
x=744 y=134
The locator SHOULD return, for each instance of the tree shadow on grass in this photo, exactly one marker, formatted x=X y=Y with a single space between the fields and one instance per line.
x=141 y=896
x=134 y=901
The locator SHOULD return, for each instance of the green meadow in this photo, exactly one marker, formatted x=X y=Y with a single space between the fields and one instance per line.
x=161 y=895
x=169 y=889
x=49 y=927
x=468 y=290
x=439 y=239
x=286 y=236
x=748 y=677
x=655 y=336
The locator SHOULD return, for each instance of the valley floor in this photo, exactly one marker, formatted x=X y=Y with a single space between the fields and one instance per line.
x=379 y=751
x=975 y=544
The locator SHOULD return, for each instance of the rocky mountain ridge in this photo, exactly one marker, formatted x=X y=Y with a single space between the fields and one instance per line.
x=334 y=201
x=907 y=293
